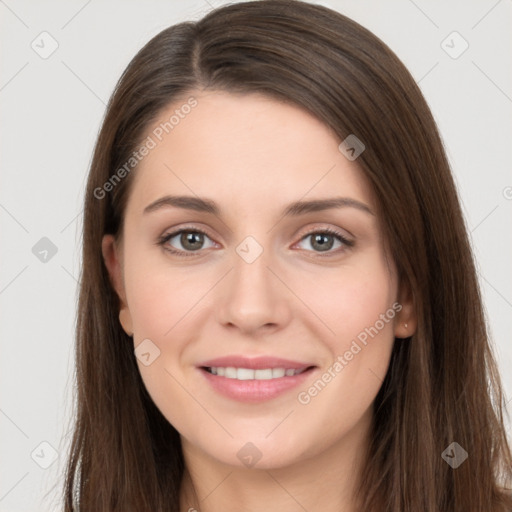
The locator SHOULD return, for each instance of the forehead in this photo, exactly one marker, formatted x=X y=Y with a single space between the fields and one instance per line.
x=250 y=151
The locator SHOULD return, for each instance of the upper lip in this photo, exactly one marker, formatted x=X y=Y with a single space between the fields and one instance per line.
x=254 y=363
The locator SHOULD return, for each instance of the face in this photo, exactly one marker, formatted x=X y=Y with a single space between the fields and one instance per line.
x=235 y=272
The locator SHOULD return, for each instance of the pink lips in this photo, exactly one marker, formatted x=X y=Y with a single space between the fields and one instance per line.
x=254 y=390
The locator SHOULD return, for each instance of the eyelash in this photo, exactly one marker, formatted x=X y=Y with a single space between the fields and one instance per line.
x=329 y=231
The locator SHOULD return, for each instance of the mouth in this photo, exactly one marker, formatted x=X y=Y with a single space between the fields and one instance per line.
x=255 y=385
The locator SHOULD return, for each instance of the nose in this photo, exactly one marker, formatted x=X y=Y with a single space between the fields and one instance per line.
x=253 y=297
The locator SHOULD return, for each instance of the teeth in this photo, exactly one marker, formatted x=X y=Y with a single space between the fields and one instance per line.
x=230 y=372
x=263 y=374
x=249 y=374
x=277 y=372
x=244 y=374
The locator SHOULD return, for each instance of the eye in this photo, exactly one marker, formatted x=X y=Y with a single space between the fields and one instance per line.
x=323 y=240
x=191 y=240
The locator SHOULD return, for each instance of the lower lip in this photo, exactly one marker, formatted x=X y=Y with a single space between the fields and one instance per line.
x=254 y=390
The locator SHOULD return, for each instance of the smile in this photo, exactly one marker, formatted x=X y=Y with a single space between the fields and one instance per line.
x=254 y=385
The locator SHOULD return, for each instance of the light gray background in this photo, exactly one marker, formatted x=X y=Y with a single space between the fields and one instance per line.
x=51 y=112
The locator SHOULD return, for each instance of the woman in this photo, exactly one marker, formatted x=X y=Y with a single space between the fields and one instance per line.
x=278 y=305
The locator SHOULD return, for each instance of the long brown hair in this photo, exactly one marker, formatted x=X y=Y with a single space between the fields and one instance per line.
x=442 y=385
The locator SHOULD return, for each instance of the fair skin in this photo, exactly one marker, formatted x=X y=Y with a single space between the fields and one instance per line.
x=254 y=156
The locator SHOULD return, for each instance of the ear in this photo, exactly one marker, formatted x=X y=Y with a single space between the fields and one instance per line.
x=406 y=321
x=112 y=256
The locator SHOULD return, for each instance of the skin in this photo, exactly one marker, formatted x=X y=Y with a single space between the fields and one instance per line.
x=253 y=156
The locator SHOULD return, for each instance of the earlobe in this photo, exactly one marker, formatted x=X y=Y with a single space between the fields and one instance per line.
x=113 y=262
x=125 y=319
x=406 y=320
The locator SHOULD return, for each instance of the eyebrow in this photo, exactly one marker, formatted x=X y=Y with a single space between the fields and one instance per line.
x=293 y=209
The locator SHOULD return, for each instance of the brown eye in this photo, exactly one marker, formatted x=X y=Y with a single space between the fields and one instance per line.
x=191 y=240
x=324 y=240
x=188 y=241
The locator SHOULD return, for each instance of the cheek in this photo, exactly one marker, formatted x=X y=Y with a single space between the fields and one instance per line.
x=159 y=296
x=351 y=300
x=163 y=305
x=357 y=306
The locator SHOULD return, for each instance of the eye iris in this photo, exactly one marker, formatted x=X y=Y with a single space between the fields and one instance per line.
x=320 y=238
x=192 y=237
